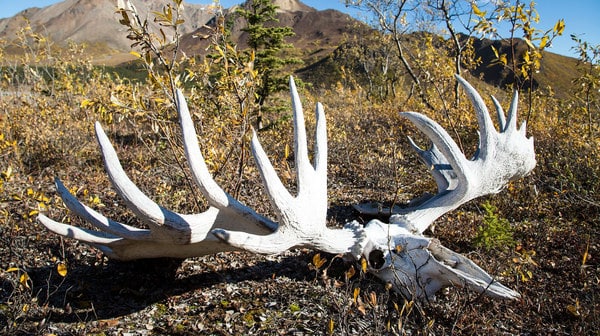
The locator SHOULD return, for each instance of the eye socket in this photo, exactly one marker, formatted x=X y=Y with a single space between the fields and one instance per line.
x=376 y=259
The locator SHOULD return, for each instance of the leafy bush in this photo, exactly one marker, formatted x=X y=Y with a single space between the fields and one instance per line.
x=495 y=232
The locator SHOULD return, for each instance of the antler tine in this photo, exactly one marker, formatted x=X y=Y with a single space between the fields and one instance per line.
x=512 y=115
x=278 y=194
x=215 y=195
x=159 y=219
x=441 y=143
x=303 y=167
x=436 y=163
x=487 y=130
x=321 y=142
x=500 y=114
x=100 y=240
x=82 y=234
x=96 y=219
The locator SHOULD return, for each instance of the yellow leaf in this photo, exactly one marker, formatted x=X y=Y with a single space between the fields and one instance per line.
x=318 y=261
x=135 y=53
x=350 y=272
x=330 y=327
x=95 y=200
x=86 y=102
x=220 y=51
x=286 y=153
x=585 y=254
x=24 y=280
x=61 y=268
x=476 y=10
x=503 y=59
x=543 y=42
x=495 y=51
x=363 y=265
x=7 y=174
x=355 y=294
x=559 y=27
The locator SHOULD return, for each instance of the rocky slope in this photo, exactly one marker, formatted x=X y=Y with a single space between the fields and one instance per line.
x=94 y=22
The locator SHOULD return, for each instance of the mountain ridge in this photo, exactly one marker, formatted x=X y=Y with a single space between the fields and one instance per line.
x=92 y=21
x=318 y=34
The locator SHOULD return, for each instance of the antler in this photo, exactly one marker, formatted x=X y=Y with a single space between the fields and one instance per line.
x=397 y=253
x=170 y=234
x=227 y=224
x=501 y=157
x=420 y=266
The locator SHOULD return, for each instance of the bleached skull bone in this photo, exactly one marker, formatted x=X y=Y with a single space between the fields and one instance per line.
x=419 y=266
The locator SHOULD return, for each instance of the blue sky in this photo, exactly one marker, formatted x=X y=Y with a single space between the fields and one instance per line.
x=582 y=17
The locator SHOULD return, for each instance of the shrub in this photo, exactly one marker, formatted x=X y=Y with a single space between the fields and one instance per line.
x=495 y=231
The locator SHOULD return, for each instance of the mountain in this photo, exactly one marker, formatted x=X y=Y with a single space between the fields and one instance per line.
x=326 y=40
x=94 y=22
x=317 y=32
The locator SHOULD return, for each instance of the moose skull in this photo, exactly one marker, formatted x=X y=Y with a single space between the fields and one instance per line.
x=396 y=252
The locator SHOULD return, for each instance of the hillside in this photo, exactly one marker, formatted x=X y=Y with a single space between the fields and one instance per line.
x=94 y=22
x=317 y=33
x=325 y=40
x=556 y=71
